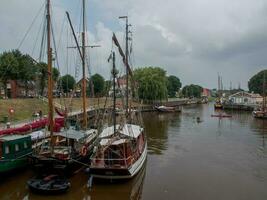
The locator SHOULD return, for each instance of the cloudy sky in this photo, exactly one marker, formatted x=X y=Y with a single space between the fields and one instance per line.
x=192 y=39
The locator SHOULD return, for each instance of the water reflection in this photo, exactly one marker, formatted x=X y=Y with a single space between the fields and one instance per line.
x=131 y=189
x=16 y=188
x=157 y=126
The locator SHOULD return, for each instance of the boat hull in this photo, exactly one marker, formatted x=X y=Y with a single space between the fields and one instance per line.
x=218 y=106
x=259 y=114
x=7 y=166
x=168 y=109
x=120 y=173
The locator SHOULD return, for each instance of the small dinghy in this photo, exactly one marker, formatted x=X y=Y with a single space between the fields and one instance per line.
x=51 y=184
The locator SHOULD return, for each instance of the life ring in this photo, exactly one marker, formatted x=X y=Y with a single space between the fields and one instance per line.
x=84 y=151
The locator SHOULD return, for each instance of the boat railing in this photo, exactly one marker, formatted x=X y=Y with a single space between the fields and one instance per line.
x=112 y=162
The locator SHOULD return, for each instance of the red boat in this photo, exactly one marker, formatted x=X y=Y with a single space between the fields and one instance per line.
x=33 y=126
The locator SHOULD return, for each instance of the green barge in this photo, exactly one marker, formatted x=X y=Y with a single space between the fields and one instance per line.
x=14 y=151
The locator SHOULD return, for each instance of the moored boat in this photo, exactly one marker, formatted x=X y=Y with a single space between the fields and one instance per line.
x=122 y=148
x=218 y=105
x=50 y=184
x=262 y=114
x=67 y=147
x=14 y=152
x=168 y=108
x=120 y=154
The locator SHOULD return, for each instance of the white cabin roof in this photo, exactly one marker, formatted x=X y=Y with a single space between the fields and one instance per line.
x=116 y=142
x=130 y=130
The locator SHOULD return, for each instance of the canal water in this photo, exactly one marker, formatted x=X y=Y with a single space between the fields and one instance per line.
x=211 y=159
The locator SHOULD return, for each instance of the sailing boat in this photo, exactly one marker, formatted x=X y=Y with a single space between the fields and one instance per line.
x=69 y=147
x=262 y=112
x=218 y=103
x=122 y=150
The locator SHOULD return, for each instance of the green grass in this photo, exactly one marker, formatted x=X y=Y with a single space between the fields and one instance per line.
x=24 y=108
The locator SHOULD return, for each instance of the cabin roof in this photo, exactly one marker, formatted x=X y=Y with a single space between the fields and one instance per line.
x=74 y=134
x=130 y=130
x=116 y=142
x=13 y=137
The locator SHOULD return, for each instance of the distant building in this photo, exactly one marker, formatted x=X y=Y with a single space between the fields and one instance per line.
x=245 y=98
x=78 y=90
x=18 y=89
x=206 y=92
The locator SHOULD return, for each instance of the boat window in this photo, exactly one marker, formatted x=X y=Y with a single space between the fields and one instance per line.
x=16 y=147
x=7 y=150
x=25 y=145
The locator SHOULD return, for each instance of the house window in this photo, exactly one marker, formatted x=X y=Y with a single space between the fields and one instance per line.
x=16 y=147
x=245 y=100
x=25 y=145
x=7 y=150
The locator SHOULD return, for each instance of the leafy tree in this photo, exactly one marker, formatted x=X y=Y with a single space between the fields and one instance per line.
x=152 y=83
x=27 y=69
x=255 y=83
x=67 y=82
x=192 y=91
x=8 y=68
x=55 y=74
x=43 y=77
x=174 y=84
x=98 y=83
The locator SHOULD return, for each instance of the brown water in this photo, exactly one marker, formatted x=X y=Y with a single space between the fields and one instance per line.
x=215 y=159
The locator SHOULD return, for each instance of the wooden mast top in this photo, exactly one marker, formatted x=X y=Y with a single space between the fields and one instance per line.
x=49 y=71
x=83 y=69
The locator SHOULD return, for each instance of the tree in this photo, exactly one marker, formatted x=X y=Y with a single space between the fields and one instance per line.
x=67 y=82
x=255 y=83
x=173 y=86
x=152 y=83
x=8 y=68
x=27 y=69
x=192 y=91
x=98 y=84
x=43 y=77
x=55 y=74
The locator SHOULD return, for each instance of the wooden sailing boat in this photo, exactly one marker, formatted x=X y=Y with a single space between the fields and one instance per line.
x=70 y=146
x=122 y=149
x=262 y=112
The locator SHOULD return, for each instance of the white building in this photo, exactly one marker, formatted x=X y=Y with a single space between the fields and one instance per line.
x=245 y=98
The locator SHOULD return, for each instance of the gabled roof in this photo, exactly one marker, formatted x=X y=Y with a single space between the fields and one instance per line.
x=243 y=94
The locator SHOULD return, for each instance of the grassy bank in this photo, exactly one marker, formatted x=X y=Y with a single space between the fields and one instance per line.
x=24 y=108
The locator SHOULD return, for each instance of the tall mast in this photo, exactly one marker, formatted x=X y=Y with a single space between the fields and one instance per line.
x=114 y=90
x=49 y=71
x=126 y=60
x=83 y=66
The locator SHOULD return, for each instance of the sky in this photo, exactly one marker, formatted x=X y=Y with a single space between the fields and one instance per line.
x=191 y=39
